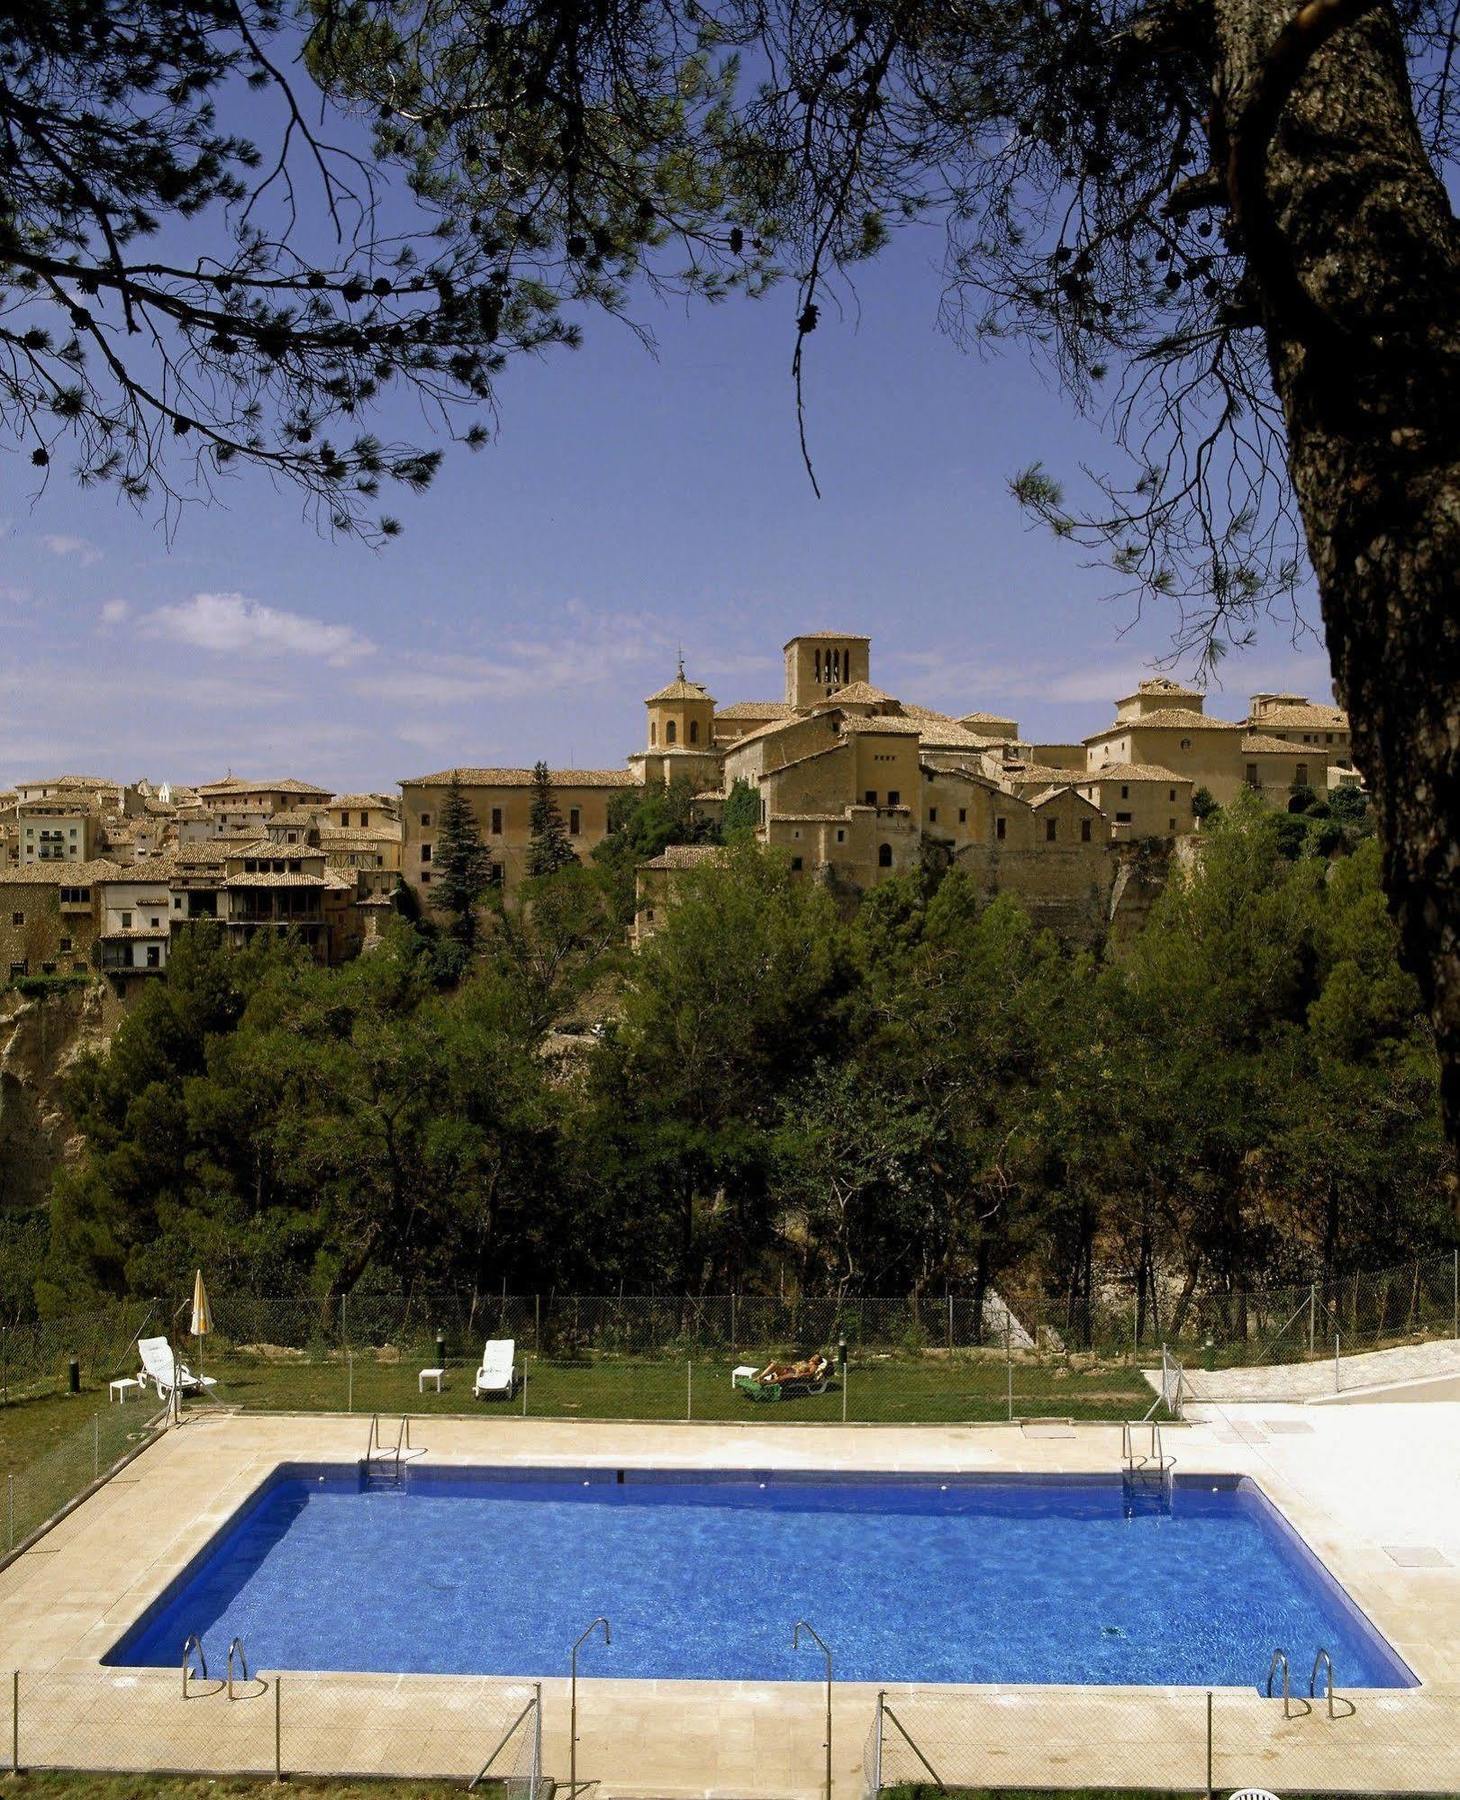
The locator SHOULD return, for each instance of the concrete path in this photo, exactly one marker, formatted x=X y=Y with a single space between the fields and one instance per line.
x=1366 y=1372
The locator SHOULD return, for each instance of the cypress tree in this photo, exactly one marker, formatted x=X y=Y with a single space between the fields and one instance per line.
x=463 y=864
x=549 y=849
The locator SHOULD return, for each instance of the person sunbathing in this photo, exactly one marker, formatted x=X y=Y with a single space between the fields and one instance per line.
x=811 y=1368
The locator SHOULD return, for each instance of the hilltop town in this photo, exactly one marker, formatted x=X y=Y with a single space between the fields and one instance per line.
x=852 y=783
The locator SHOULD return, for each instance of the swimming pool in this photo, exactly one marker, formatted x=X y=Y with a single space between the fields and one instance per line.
x=908 y=1579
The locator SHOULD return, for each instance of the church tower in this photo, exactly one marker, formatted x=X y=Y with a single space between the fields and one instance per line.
x=681 y=715
x=820 y=662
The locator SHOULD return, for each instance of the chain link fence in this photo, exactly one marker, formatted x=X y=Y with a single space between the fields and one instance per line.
x=208 y=1721
x=925 y=1742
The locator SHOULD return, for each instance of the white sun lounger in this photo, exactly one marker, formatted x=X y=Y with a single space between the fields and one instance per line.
x=498 y=1373
x=165 y=1372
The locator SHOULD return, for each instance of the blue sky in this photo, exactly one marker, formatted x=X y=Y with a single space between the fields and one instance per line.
x=630 y=504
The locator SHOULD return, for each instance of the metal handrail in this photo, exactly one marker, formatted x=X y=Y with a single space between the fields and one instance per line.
x=193 y=1642
x=820 y=1643
x=1280 y=1657
x=376 y=1443
x=237 y=1645
x=581 y=1639
x=1322 y=1658
x=1155 y=1457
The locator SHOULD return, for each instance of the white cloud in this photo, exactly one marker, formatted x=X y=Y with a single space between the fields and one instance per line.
x=85 y=552
x=232 y=623
x=114 y=611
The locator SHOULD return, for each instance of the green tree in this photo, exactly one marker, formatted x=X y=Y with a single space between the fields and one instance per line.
x=740 y=815
x=550 y=847
x=461 y=865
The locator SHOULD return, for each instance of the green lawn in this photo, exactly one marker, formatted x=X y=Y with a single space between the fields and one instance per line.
x=892 y=1390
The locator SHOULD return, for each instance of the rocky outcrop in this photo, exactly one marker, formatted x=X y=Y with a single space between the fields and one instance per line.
x=39 y=1040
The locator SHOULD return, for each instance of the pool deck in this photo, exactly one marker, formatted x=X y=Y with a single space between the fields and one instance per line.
x=1374 y=1490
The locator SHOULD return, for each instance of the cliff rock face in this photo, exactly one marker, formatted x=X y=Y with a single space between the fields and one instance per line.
x=39 y=1040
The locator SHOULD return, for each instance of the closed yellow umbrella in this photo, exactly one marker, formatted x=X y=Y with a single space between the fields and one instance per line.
x=202 y=1312
x=202 y=1315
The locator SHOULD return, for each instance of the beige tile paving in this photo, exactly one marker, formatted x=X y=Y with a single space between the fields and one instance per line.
x=1364 y=1480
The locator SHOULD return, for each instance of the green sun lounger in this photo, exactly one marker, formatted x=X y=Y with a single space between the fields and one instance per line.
x=744 y=1379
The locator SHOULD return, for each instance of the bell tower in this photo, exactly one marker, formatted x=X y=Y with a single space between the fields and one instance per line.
x=820 y=662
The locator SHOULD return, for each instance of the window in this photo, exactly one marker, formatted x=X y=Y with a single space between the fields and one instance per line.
x=694 y=731
x=344 y=818
x=154 y=956
x=575 y=821
x=1051 y=830
x=894 y=797
x=884 y=856
x=496 y=821
x=1125 y=793
x=871 y=796
x=1302 y=774
x=425 y=853
x=841 y=836
x=796 y=864
x=1084 y=831
x=17 y=918
x=1171 y=826
x=65 y=944
x=425 y=818
x=177 y=903
x=156 y=924
x=653 y=733
x=126 y=921
x=425 y=877
x=932 y=815
x=963 y=815
x=1000 y=829
x=671 y=732
x=1186 y=743
x=1122 y=818
x=364 y=818
x=48 y=968
x=1252 y=775
x=1328 y=737
x=1171 y=793
x=79 y=967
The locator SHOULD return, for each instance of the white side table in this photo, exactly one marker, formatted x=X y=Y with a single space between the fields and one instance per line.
x=429 y=1375
x=119 y=1389
x=748 y=1369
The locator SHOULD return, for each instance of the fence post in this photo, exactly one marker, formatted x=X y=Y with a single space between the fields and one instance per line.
x=689 y=1389
x=877 y=1745
x=1337 y=1381
x=1009 y=1359
x=96 y=1446
x=1209 y=1744
x=349 y=1381
x=9 y=1512
x=15 y=1721
x=537 y=1740
x=1455 y=1297
x=524 y=1387
x=950 y=1324
x=537 y=1323
x=278 y=1734
x=734 y=1340
x=1312 y=1313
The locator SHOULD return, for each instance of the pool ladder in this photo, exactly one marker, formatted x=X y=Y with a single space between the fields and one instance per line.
x=382 y=1460
x=1146 y=1477
x=1321 y=1661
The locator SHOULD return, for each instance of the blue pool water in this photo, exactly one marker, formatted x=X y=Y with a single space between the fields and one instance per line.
x=923 y=1579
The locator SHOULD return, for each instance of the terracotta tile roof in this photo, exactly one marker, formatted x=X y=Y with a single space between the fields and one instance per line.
x=1127 y=771
x=680 y=689
x=756 y=709
x=880 y=725
x=366 y=800
x=984 y=718
x=1054 y=793
x=62 y=874
x=684 y=856
x=831 y=637
x=1046 y=774
x=1170 y=718
x=231 y=784
x=1327 y=718
x=1258 y=743
x=560 y=778
x=858 y=693
x=952 y=736
x=275 y=879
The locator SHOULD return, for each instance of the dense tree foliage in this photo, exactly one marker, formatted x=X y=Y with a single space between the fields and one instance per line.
x=921 y=1093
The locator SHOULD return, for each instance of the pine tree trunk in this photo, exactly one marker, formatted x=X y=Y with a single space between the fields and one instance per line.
x=1359 y=290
